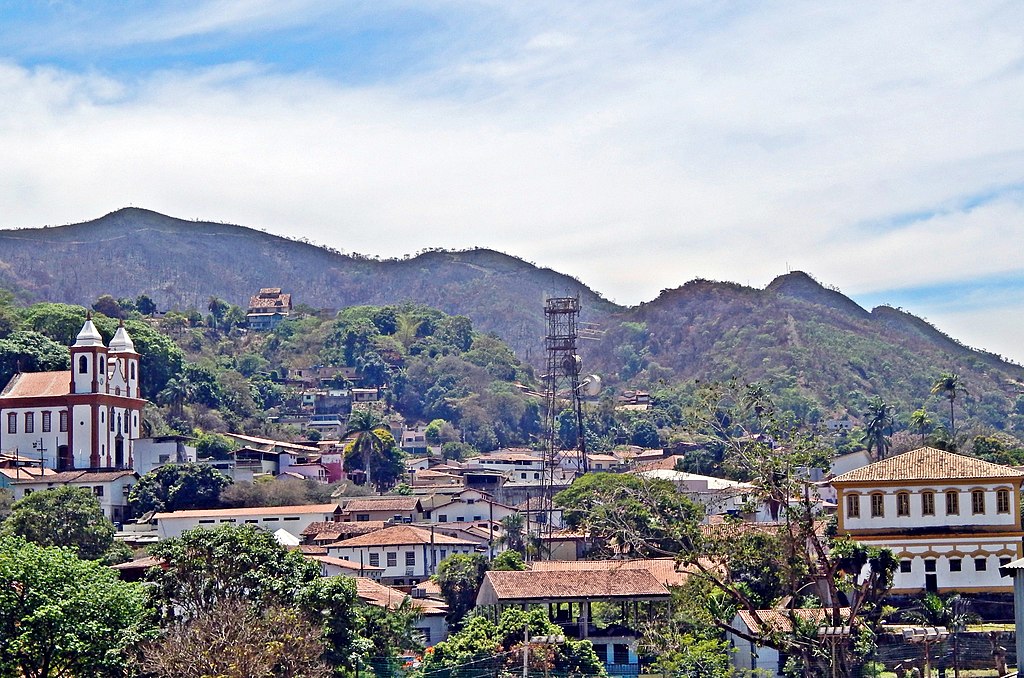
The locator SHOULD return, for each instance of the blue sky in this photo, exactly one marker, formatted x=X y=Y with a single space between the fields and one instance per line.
x=878 y=146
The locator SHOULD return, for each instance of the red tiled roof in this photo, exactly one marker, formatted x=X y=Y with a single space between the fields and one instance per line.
x=504 y=587
x=665 y=570
x=382 y=504
x=781 y=620
x=380 y=595
x=254 y=511
x=399 y=535
x=333 y=531
x=31 y=384
x=927 y=463
x=74 y=477
x=343 y=563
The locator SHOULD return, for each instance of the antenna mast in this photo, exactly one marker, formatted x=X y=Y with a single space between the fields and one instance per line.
x=563 y=388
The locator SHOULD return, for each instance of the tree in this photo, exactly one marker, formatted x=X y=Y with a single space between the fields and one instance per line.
x=631 y=514
x=234 y=640
x=65 y=516
x=813 y=567
x=62 y=616
x=921 y=422
x=175 y=394
x=513 y=533
x=373 y=450
x=483 y=647
x=949 y=386
x=459 y=577
x=31 y=352
x=214 y=445
x=203 y=567
x=880 y=421
x=145 y=305
x=508 y=561
x=178 y=486
x=108 y=306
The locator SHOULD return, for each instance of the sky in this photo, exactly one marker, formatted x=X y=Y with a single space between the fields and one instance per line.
x=878 y=146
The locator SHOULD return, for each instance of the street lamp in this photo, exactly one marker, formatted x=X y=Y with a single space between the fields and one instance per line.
x=926 y=636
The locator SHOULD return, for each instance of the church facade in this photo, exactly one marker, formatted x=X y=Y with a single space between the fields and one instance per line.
x=87 y=417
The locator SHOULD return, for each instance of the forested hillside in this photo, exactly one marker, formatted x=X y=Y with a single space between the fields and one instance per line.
x=821 y=353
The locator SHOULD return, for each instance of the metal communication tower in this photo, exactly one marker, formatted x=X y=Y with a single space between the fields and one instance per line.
x=563 y=388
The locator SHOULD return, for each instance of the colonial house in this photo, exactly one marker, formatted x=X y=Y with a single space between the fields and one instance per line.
x=110 y=488
x=431 y=624
x=87 y=417
x=951 y=520
x=408 y=554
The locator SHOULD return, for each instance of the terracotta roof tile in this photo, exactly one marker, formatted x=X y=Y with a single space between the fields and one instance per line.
x=31 y=384
x=927 y=463
x=501 y=587
x=665 y=570
x=781 y=620
x=343 y=563
x=380 y=595
x=382 y=504
x=400 y=535
x=74 y=477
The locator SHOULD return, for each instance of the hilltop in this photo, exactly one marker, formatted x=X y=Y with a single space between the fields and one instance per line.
x=823 y=353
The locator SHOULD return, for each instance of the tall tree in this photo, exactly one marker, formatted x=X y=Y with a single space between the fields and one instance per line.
x=950 y=386
x=880 y=421
x=62 y=616
x=952 y=611
x=459 y=578
x=373 y=449
x=65 y=516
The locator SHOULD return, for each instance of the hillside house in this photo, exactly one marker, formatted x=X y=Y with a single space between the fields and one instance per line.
x=951 y=520
x=431 y=625
x=267 y=308
x=393 y=508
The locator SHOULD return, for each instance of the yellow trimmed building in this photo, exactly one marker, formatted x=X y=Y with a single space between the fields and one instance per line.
x=951 y=520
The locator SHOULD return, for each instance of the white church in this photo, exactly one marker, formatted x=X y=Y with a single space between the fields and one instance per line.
x=87 y=417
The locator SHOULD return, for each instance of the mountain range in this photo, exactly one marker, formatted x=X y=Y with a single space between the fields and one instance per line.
x=817 y=346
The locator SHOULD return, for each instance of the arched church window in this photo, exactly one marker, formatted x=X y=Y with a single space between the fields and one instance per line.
x=83 y=365
x=132 y=369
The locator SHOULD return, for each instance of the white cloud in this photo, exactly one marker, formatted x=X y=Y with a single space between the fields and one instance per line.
x=633 y=148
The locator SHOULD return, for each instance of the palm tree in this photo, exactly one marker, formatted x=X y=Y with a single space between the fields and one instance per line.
x=949 y=386
x=408 y=328
x=513 y=533
x=879 y=426
x=921 y=422
x=175 y=393
x=363 y=425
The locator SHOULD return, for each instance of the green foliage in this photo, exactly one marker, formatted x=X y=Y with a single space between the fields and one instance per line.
x=63 y=616
x=65 y=516
x=373 y=450
x=214 y=445
x=31 y=352
x=691 y=655
x=510 y=561
x=483 y=647
x=459 y=577
x=178 y=487
x=457 y=451
x=203 y=567
x=629 y=514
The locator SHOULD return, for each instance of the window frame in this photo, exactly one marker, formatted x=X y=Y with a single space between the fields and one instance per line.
x=952 y=502
x=853 y=505
x=1003 y=502
x=903 y=504
x=978 y=502
x=12 y=422
x=877 y=505
x=47 y=421
x=928 y=503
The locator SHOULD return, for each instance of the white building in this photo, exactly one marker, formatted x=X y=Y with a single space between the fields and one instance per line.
x=951 y=520
x=111 y=488
x=292 y=519
x=87 y=417
x=152 y=453
x=408 y=554
x=468 y=506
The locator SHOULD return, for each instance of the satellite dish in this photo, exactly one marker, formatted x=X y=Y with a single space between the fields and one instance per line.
x=591 y=386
